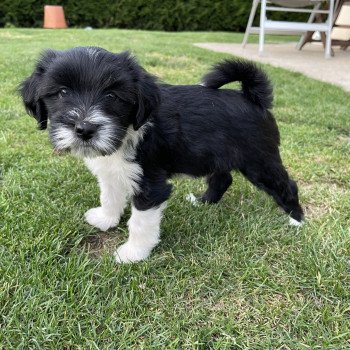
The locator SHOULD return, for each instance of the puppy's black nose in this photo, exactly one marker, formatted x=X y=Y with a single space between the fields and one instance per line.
x=85 y=130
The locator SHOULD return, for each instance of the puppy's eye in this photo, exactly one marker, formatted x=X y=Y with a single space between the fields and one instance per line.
x=112 y=96
x=62 y=93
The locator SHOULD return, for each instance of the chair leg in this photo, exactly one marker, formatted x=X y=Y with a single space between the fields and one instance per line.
x=262 y=27
x=250 y=22
x=306 y=36
x=328 y=51
x=324 y=42
x=344 y=47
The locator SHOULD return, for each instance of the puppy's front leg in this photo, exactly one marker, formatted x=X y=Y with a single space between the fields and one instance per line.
x=144 y=224
x=144 y=231
x=113 y=198
x=115 y=190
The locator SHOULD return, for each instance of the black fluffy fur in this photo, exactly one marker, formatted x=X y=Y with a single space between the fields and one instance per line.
x=199 y=130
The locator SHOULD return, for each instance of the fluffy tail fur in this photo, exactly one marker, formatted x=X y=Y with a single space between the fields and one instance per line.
x=255 y=84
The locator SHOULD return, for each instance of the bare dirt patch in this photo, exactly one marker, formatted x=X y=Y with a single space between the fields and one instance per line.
x=344 y=138
x=101 y=243
x=320 y=196
x=316 y=210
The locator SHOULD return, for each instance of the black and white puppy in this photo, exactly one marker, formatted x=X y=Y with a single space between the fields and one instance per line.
x=135 y=133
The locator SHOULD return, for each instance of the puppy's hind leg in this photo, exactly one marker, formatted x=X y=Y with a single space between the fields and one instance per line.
x=273 y=179
x=218 y=183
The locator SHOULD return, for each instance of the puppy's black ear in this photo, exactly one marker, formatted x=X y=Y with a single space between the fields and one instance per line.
x=147 y=92
x=148 y=99
x=31 y=92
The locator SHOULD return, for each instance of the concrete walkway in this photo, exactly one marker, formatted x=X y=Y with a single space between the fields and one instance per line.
x=309 y=61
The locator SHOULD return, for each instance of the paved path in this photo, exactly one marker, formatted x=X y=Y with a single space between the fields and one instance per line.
x=309 y=61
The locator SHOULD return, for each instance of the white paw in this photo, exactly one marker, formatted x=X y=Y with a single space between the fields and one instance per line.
x=192 y=198
x=294 y=222
x=128 y=253
x=97 y=218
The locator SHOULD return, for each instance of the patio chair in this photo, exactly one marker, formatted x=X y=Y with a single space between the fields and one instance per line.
x=340 y=30
x=285 y=27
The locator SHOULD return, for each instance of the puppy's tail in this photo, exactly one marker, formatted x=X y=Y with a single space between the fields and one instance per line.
x=255 y=84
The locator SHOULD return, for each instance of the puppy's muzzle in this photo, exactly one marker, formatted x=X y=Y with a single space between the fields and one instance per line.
x=85 y=130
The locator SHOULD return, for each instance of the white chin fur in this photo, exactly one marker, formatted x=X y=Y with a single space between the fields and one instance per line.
x=85 y=152
x=294 y=222
x=103 y=142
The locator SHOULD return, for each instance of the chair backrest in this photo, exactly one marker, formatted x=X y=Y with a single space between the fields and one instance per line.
x=295 y=3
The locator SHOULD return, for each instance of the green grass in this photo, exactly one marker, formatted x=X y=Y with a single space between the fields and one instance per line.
x=228 y=276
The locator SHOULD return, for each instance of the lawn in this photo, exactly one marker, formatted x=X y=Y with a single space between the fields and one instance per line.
x=227 y=276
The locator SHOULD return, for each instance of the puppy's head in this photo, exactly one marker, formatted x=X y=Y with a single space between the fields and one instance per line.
x=90 y=97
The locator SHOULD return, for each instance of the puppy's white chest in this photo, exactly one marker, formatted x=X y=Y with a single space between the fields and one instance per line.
x=117 y=170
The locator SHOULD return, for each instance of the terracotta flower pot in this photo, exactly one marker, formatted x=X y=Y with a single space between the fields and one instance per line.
x=54 y=17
